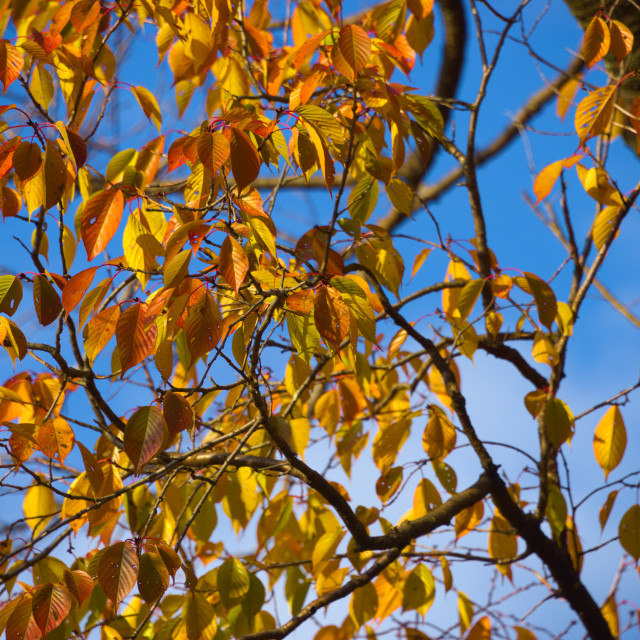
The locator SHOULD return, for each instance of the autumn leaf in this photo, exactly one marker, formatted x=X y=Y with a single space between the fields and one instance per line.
x=100 y=220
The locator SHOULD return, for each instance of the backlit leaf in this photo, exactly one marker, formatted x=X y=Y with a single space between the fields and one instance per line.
x=621 y=40
x=199 y=617
x=10 y=294
x=149 y=105
x=629 y=532
x=39 y=507
x=355 y=46
x=143 y=435
x=605 y=509
x=135 y=340
x=481 y=630
x=419 y=590
x=45 y=300
x=594 y=113
x=55 y=438
x=439 y=437
x=245 y=161
x=610 y=440
x=118 y=571
x=51 y=605
x=596 y=41
x=468 y=519
x=332 y=316
x=234 y=263
x=100 y=220
x=213 y=150
x=178 y=413
x=233 y=581
x=100 y=329
x=153 y=577
x=11 y=63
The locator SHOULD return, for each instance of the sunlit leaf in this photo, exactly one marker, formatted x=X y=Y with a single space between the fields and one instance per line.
x=610 y=440
x=596 y=41
x=100 y=220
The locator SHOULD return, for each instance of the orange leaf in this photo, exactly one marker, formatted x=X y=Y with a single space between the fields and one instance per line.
x=11 y=63
x=118 y=570
x=332 y=316
x=621 y=40
x=100 y=220
x=55 y=438
x=76 y=287
x=594 y=113
x=135 y=342
x=352 y=51
x=213 y=150
x=481 y=630
x=234 y=263
x=79 y=583
x=203 y=327
x=596 y=42
x=143 y=435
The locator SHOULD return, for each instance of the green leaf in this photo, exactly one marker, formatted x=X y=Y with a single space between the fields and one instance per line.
x=233 y=581
x=419 y=590
x=629 y=532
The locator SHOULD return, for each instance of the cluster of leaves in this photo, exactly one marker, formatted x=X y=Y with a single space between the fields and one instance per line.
x=210 y=286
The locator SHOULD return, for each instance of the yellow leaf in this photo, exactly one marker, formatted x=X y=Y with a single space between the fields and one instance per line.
x=603 y=225
x=465 y=611
x=610 y=613
x=610 y=440
x=503 y=544
x=566 y=94
x=468 y=519
x=544 y=351
x=39 y=507
x=439 y=437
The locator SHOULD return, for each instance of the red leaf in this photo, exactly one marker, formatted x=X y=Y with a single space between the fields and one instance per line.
x=100 y=220
x=143 y=435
